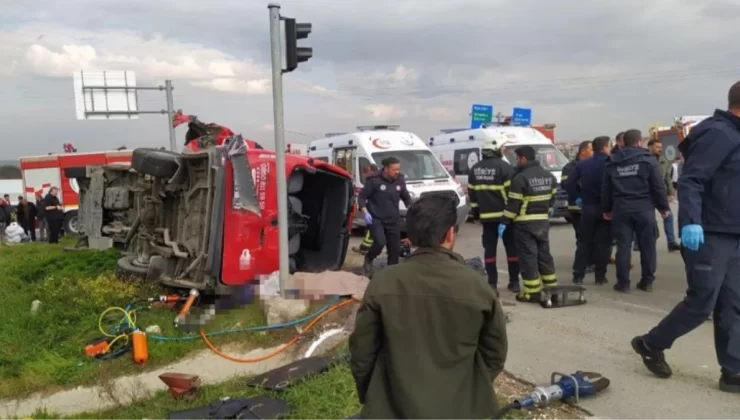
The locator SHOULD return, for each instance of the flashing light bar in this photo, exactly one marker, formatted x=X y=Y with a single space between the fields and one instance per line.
x=377 y=127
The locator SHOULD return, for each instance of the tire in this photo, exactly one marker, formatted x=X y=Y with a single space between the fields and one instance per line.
x=126 y=270
x=75 y=172
x=71 y=223
x=155 y=162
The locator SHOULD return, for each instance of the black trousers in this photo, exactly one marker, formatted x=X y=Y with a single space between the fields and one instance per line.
x=593 y=243
x=537 y=266
x=490 y=246
x=55 y=229
x=644 y=228
x=385 y=235
x=575 y=220
x=29 y=227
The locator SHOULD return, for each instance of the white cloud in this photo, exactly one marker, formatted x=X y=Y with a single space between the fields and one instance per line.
x=61 y=51
x=385 y=111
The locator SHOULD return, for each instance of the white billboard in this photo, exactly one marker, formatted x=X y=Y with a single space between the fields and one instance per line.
x=106 y=95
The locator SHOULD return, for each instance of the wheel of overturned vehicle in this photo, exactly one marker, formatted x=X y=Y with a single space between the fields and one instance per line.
x=72 y=223
x=155 y=162
x=128 y=268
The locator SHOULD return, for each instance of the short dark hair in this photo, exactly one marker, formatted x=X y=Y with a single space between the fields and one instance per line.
x=619 y=136
x=583 y=146
x=632 y=137
x=526 y=152
x=652 y=142
x=599 y=143
x=733 y=96
x=429 y=218
x=390 y=160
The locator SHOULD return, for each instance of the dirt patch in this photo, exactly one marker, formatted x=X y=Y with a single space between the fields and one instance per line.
x=509 y=387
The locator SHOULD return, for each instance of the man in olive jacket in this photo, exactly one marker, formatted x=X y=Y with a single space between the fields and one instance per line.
x=430 y=335
x=656 y=148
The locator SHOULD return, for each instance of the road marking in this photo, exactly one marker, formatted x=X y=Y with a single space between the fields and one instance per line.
x=621 y=302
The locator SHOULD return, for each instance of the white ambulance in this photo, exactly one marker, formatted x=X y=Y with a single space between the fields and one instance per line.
x=356 y=153
x=460 y=149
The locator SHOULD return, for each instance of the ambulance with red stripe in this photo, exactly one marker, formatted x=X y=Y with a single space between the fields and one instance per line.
x=356 y=152
x=42 y=172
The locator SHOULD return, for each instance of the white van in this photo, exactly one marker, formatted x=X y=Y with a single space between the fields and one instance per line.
x=460 y=149
x=356 y=152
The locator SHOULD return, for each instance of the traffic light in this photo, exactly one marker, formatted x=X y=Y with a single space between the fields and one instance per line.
x=293 y=53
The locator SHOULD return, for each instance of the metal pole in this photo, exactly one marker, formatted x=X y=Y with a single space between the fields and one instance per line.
x=170 y=114
x=277 y=104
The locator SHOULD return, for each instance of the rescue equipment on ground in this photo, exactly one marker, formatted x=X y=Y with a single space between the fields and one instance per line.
x=562 y=387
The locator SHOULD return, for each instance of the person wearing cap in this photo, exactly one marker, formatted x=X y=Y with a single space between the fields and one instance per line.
x=594 y=238
x=529 y=204
x=488 y=181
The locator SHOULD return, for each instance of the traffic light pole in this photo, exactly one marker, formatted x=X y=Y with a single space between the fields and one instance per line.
x=282 y=184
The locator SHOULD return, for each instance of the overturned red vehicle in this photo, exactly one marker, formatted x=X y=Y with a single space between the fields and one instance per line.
x=206 y=218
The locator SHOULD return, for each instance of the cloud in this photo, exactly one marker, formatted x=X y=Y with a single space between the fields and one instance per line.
x=383 y=112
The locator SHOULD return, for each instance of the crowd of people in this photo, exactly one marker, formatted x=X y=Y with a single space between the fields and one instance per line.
x=430 y=336
x=19 y=223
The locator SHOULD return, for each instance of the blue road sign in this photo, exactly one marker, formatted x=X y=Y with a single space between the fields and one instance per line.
x=521 y=116
x=480 y=114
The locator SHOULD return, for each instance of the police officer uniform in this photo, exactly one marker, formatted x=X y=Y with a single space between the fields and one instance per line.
x=530 y=201
x=709 y=216
x=380 y=195
x=593 y=242
x=633 y=188
x=574 y=211
x=487 y=183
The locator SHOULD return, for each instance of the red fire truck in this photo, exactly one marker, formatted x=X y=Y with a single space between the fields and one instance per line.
x=40 y=173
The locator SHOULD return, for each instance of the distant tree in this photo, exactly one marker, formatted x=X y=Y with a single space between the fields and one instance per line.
x=10 y=172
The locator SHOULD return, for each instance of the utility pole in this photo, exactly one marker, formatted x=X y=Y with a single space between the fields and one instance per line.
x=294 y=55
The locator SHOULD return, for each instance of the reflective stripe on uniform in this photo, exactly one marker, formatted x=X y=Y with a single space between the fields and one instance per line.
x=491 y=215
x=473 y=205
x=549 y=280
x=573 y=208
x=523 y=216
x=368 y=239
x=532 y=285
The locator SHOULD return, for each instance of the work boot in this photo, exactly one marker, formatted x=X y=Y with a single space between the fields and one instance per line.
x=367 y=268
x=644 y=286
x=514 y=287
x=529 y=298
x=621 y=288
x=653 y=359
x=730 y=383
x=577 y=280
x=601 y=281
x=673 y=247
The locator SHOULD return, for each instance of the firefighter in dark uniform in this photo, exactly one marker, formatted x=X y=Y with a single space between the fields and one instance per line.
x=378 y=201
x=487 y=184
x=367 y=240
x=530 y=201
x=594 y=233
x=574 y=210
x=633 y=188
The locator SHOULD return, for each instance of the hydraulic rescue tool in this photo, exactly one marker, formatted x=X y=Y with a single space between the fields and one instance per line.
x=561 y=296
x=563 y=387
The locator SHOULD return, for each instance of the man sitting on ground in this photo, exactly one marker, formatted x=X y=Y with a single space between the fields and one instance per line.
x=430 y=336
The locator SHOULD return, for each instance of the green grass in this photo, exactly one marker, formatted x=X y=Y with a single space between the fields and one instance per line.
x=45 y=351
x=330 y=395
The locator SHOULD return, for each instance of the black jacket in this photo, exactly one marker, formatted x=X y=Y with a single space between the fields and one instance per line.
x=55 y=214
x=589 y=176
x=565 y=175
x=709 y=185
x=633 y=183
x=26 y=213
x=381 y=196
x=487 y=184
x=6 y=212
x=531 y=195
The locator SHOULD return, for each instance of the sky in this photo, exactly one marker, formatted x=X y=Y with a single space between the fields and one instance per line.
x=592 y=67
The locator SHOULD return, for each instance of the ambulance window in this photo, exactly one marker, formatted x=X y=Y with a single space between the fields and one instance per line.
x=464 y=160
x=365 y=168
x=324 y=158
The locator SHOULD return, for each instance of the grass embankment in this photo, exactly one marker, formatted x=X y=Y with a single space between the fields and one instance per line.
x=45 y=351
x=330 y=395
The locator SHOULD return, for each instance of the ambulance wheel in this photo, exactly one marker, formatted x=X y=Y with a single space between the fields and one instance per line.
x=155 y=162
x=127 y=269
x=72 y=223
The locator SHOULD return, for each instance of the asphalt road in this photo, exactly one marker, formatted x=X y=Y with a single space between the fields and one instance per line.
x=596 y=337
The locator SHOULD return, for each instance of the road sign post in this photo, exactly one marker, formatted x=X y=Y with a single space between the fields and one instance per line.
x=480 y=114
x=521 y=117
x=113 y=95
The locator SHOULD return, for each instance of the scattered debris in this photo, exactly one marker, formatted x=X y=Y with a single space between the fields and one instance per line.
x=181 y=385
